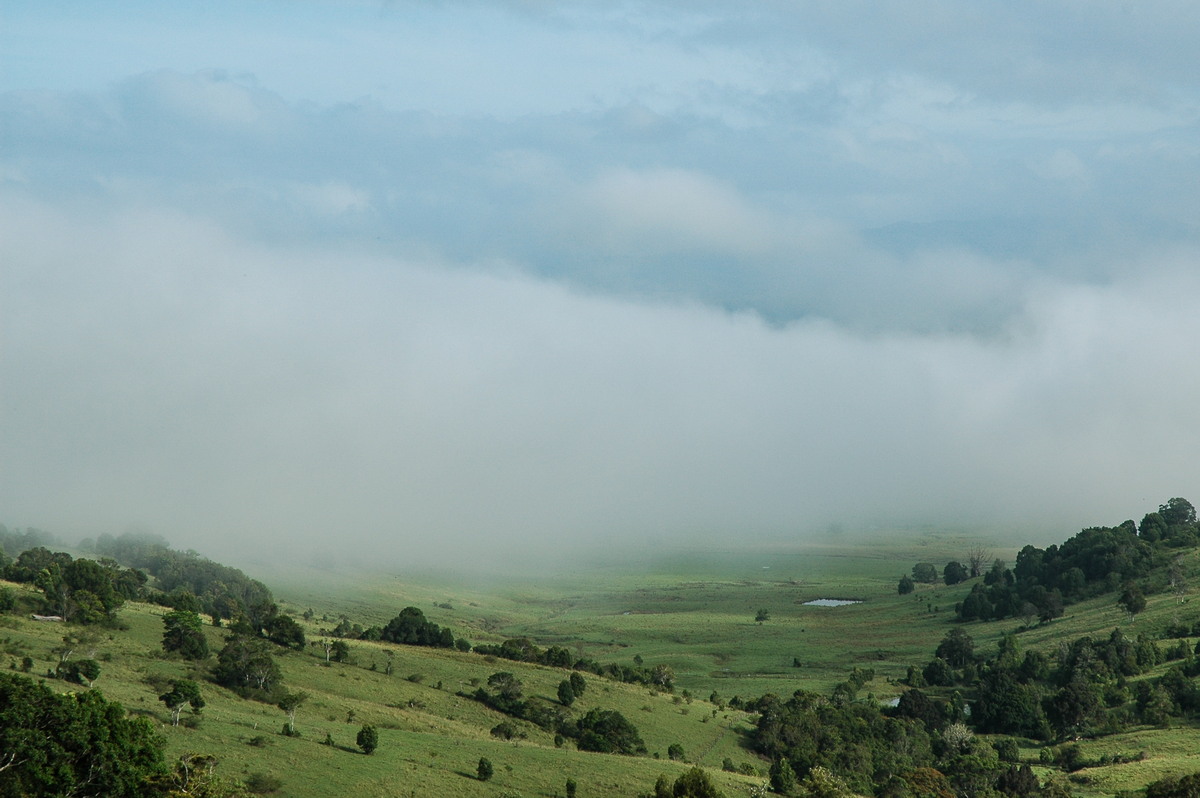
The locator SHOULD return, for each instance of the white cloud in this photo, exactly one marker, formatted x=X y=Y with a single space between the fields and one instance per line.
x=217 y=391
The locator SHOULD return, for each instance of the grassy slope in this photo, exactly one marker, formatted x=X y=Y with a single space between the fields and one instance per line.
x=696 y=616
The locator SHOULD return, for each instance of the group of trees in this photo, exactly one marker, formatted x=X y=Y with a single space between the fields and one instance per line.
x=603 y=730
x=74 y=744
x=1044 y=581
x=218 y=590
x=79 y=590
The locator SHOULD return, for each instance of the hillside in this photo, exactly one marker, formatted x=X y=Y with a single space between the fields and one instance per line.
x=694 y=616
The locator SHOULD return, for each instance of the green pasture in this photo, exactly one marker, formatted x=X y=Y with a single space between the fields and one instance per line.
x=694 y=612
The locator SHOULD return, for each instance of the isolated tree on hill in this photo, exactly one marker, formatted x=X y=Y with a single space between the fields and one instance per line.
x=566 y=695
x=578 y=684
x=1132 y=600
x=906 y=586
x=367 y=739
x=485 y=769
x=762 y=615
x=507 y=686
x=925 y=572
x=289 y=703
x=183 y=633
x=182 y=693
x=954 y=572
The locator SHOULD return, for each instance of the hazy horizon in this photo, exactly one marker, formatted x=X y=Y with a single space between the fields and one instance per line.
x=458 y=282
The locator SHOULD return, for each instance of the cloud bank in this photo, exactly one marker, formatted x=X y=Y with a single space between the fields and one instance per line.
x=357 y=277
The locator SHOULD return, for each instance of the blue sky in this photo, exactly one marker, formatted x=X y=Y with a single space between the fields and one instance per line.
x=522 y=271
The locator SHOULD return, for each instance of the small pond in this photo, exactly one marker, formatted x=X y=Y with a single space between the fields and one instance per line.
x=831 y=602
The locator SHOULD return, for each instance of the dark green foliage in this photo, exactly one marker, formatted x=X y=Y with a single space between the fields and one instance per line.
x=505 y=730
x=183 y=633
x=282 y=630
x=855 y=741
x=571 y=788
x=1018 y=781
x=607 y=731
x=183 y=692
x=411 y=629
x=484 y=769
x=94 y=748
x=1175 y=787
x=223 y=592
x=695 y=783
x=83 y=591
x=8 y=599
x=263 y=783
x=762 y=615
x=578 y=684
x=566 y=694
x=1095 y=561
x=367 y=739
x=925 y=572
x=955 y=572
x=80 y=671
x=246 y=664
x=906 y=585
x=339 y=651
x=675 y=751
x=782 y=777
x=1132 y=600
x=957 y=648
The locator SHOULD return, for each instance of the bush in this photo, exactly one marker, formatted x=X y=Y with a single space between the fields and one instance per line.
x=263 y=783
x=485 y=769
x=367 y=739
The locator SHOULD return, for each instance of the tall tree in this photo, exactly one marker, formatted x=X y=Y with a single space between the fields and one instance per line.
x=183 y=632
x=289 y=703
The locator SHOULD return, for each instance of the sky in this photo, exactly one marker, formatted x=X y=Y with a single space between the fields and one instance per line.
x=440 y=281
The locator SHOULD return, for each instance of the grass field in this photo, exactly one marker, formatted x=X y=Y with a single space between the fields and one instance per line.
x=694 y=613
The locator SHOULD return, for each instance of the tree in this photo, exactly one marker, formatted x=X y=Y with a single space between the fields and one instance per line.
x=507 y=686
x=607 y=731
x=782 y=777
x=571 y=788
x=283 y=630
x=485 y=769
x=81 y=671
x=957 y=648
x=954 y=572
x=94 y=747
x=367 y=739
x=977 y=557
x=1132 y=600
x=182 y=693
x=289 y=703
x=675 y=751
x=245 y=663
x=695 y=783
x=925 y=572
x=566 y=694
x=906 y=585
x=762 y=615
x=183 y=633
x=578 y=684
